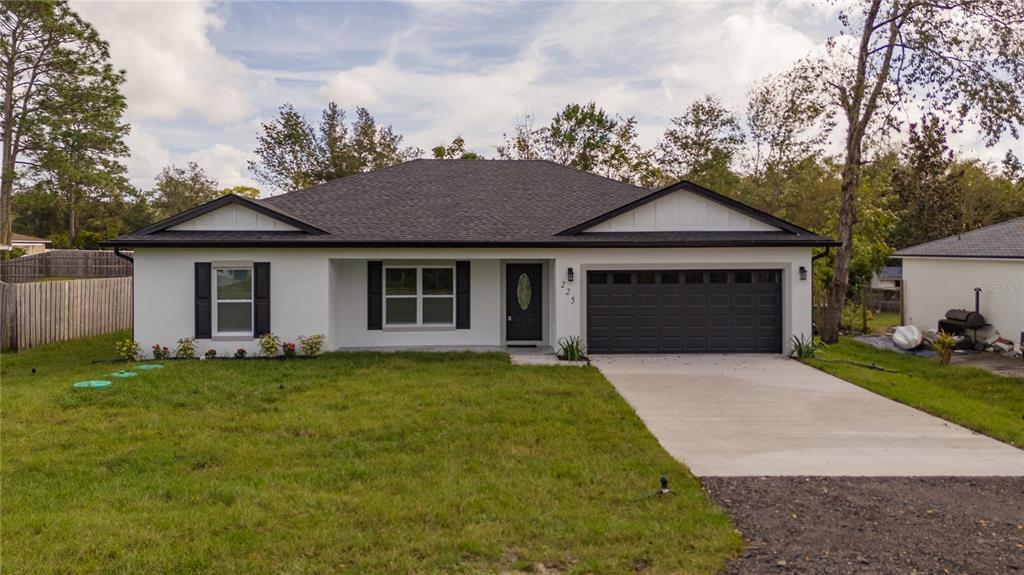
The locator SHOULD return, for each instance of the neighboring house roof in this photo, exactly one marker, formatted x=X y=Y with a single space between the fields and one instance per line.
x=891 y=273
x=471 y=203
x=27 y=239
x=1003 y=241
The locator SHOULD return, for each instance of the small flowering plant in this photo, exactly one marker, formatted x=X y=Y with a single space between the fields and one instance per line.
x=270 y=344
x=311 y=345
x=160 y=352
x=240 y=353
x=186 y=348
x=289 y=349
x=128 y=349
x=210 y=354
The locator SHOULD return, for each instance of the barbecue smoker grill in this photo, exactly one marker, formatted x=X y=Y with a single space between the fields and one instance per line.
x=958 y=321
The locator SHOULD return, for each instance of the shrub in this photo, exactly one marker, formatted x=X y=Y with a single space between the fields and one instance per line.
x=160 y=352
x=210 y=354
x=269 y=344
x=186 y=348
x=240 y=353
x=571 y=348
x=289 y=349
x=311 y=345
x=128 y=349
x=806 y=347
x=943 y=345
x=854 y=316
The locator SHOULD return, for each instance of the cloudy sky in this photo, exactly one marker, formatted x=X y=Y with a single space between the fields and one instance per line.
x=202 y=76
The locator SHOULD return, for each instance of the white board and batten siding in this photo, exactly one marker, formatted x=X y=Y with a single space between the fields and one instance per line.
x=682 y=211
x=235 y=218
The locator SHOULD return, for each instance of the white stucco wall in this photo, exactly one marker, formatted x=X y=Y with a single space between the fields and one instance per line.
x=934 y=285
x=323 y=290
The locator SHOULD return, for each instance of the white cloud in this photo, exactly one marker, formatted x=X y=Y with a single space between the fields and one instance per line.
x=172 y=67
x=224 y=163
x=148 y=156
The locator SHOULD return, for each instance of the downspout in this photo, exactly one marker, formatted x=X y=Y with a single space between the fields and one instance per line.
x=131 y=260
x=117 y=252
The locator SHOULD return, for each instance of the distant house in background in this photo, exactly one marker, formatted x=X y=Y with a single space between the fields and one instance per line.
x=31 y=244
x=942 y=275
x=888 y=278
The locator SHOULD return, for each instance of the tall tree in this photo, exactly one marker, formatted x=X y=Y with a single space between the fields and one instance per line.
x=701 y=144
x=179 y=189
x=584 y=137
x=81 y=143
x=963 y=59
x=293 y=154
x=927 y=190
x=45 y=50
x=245 y=191
x=788 y=122
x=455 y=151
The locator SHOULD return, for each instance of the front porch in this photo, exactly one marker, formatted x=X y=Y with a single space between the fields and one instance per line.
x=426 y=304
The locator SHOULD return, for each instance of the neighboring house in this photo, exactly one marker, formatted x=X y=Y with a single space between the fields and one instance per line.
x=31 y=244
x=888 y=278
x=477 y=253
x=942 y=274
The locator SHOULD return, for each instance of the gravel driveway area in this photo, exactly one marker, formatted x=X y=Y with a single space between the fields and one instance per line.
x=864 y=525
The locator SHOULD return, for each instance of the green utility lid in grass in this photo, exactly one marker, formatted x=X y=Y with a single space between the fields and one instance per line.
x=123 y=373
x=145 y=366
x=91 y=383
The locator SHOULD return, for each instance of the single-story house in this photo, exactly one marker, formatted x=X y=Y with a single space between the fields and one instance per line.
x=943 y=274
x=476 y=253
x=31 y=244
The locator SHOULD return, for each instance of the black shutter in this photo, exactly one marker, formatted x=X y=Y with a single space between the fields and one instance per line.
x=461 y=295
x=261 y=298
x=204 y=308
x=374 y=295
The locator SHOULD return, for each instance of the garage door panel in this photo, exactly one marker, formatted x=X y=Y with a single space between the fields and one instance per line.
x=671 y=311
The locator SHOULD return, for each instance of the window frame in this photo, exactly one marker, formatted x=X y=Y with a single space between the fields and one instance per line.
x=216 y=300
x=419 y=296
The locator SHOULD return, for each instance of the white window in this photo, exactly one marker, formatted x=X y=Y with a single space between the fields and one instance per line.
x=233 y=314
x=419 y=295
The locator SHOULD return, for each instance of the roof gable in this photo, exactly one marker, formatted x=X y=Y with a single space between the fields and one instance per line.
x=686 y=206
x=681 y=211
x=232 y=213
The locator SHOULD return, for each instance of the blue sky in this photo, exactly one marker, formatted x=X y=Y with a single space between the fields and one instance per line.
x=202 y=76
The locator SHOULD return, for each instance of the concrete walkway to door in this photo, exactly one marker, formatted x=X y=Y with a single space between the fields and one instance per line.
x=751 y=415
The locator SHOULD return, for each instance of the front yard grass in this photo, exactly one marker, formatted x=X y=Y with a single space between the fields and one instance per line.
x=355 y=463
x=971 y=397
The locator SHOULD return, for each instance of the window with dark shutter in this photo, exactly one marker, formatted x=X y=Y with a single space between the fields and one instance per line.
x=374 y=295
x=462 y=295
x=261 y=298
x=202 y=300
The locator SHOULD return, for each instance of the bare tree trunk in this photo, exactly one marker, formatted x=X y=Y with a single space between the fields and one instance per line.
x=844 y=254
x=9 y=156
x=72 y=224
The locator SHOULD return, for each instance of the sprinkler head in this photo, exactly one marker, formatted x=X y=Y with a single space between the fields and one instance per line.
x=664 y=482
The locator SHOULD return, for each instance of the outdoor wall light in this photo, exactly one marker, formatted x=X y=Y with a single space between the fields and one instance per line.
x=803 y=273
x=570 y=274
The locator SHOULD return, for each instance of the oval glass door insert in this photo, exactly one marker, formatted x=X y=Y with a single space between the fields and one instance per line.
x=524 y=292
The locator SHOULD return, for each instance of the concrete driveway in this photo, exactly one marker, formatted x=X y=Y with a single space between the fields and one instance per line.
x=749 y=415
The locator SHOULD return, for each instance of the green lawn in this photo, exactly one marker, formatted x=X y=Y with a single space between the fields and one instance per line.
x=971 y=397
x=882 y=322
x=356 y=463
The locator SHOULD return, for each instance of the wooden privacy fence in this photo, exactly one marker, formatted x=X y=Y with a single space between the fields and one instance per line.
x=65 y=263
x=34 y=314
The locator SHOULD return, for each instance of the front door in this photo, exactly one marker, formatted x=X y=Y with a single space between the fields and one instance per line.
x=523 y=302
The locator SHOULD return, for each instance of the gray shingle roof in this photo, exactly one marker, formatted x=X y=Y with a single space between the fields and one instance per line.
x=1003 y=240
x=462 y=202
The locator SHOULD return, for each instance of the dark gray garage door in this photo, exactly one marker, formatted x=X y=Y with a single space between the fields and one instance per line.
x=666 y=311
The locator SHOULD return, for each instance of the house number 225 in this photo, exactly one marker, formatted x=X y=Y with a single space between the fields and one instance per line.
x=568 y=292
